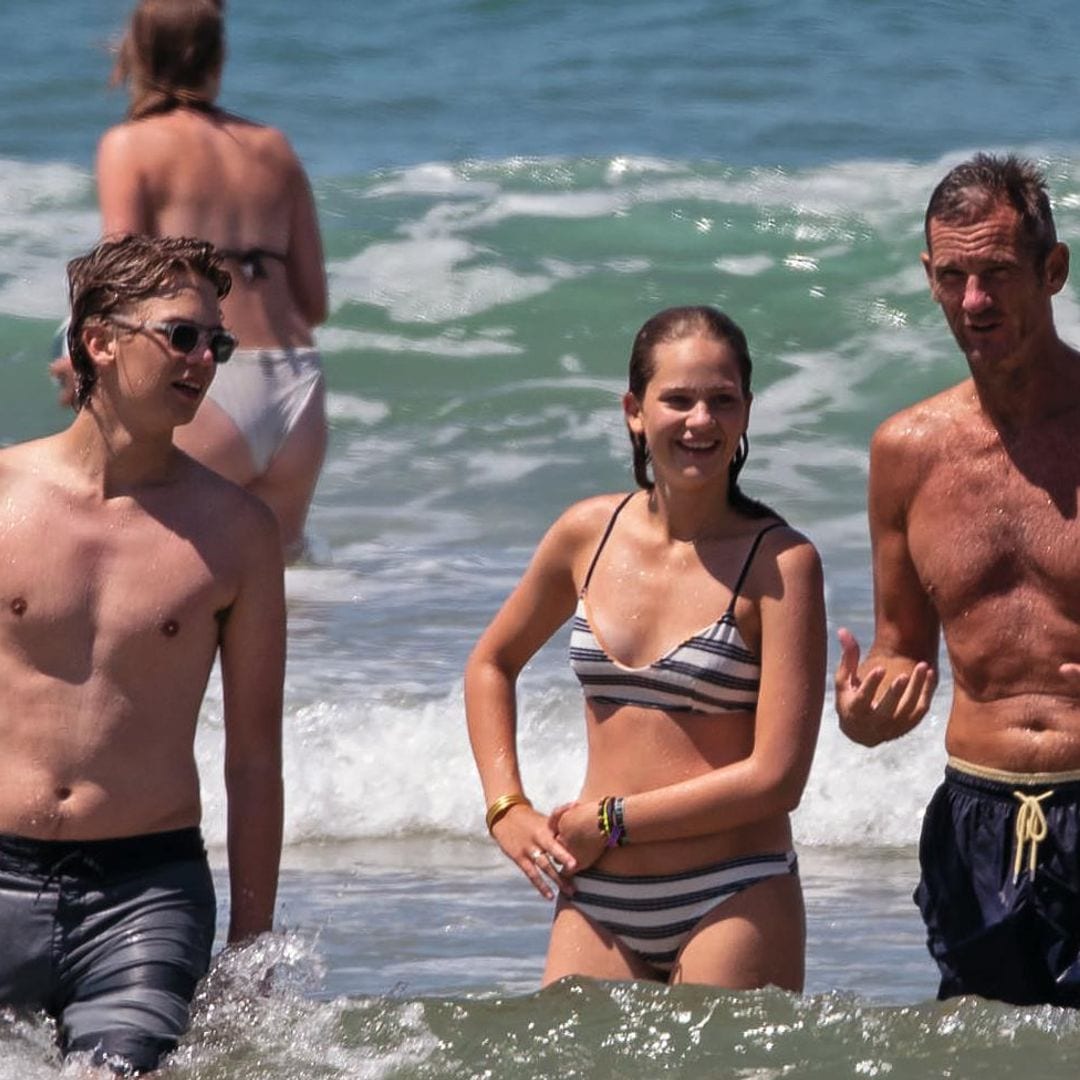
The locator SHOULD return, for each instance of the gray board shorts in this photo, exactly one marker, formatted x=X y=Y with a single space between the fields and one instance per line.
x=109 y=937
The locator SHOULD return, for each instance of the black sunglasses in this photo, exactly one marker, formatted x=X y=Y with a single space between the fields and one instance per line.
x=185 y=336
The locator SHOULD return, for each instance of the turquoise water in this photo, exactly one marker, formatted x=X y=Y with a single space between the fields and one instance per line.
x=507 y=190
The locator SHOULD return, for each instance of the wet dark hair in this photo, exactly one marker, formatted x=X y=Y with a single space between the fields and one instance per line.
x=123 y=271
x=169 y=50
x=674 y=324
x=971 y=189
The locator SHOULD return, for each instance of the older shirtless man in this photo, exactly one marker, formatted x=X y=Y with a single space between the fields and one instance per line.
x=127 y=567
x=974 y=526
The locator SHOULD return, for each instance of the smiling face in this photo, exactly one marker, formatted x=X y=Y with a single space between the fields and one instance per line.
x=693 y=411
x=995 y=297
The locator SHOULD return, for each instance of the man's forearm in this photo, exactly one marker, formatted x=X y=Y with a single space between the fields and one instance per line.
x=256 y=811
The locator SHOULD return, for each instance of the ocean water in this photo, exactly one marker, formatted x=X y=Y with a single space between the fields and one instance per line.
x=507 y=189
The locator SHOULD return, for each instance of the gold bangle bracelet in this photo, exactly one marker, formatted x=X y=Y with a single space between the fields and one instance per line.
x=499 y=807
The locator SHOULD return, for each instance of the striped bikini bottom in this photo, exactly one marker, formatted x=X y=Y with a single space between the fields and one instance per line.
x=654 y=915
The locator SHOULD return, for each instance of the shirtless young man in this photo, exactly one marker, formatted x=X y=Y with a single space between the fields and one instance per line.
x=975 y=532
x=126 y=567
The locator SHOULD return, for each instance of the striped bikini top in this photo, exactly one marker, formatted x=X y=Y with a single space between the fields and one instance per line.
x=711 y=671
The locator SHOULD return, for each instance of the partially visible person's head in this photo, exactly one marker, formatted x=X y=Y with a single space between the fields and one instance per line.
x=171 y=54
x=118 y=274
x=674 y=324
x=971 y=190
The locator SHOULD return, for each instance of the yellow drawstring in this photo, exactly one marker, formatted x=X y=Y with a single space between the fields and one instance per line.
x=1031 y=829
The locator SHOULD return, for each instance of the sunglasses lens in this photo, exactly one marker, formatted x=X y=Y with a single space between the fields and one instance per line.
x=186 y=337
x=183 y=337
x=222 y=345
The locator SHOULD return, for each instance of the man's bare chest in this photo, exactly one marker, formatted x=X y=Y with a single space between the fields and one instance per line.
x=983 y=528
x=69 y=589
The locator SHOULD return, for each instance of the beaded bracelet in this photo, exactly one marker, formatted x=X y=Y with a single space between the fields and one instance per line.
x=497 y=810
x=609 y=820
x=617 y=818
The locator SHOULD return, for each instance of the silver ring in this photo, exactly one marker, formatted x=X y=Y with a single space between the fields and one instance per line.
x=536 y=854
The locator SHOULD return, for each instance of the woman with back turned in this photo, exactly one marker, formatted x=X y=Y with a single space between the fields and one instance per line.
x=182 y=166
x=698 y=635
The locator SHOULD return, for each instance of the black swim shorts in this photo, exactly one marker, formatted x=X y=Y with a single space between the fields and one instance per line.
x=110 y=937
x=1000 y=887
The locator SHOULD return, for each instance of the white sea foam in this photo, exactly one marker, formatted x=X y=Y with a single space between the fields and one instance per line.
x=383 y=767
x=804 y=469
x=858 y=796
x=363 y=451
x=27 y=1048
x=341 y=339
x=389 y=764
x=412 y=519
x=304 y=583
x=355 y=409
x=47 y=215
x=505 y=466
x=431 y=278
x=28 y=186
x=745 y=265
x=801 y=263
x=797 y=398
x=440 y=269
x=613 y=385
x=619 y=168
x=564 y=206
x=253 y=1016
x=628 y=265
x=433 y=178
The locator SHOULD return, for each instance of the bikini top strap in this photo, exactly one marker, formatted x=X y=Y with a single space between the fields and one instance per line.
x=749 y=559
x=604 y=540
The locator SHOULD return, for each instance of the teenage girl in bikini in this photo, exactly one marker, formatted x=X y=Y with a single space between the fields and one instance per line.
x=181 y=166
x=675 y=862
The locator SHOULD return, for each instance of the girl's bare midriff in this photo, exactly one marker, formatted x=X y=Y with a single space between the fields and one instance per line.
x=632 y=750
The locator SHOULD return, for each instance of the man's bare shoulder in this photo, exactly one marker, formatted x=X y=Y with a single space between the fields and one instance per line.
x=928 y=426
x=37 y=463
x=223 y=500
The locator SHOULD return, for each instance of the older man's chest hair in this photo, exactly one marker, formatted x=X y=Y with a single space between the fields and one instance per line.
x=994 y=535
